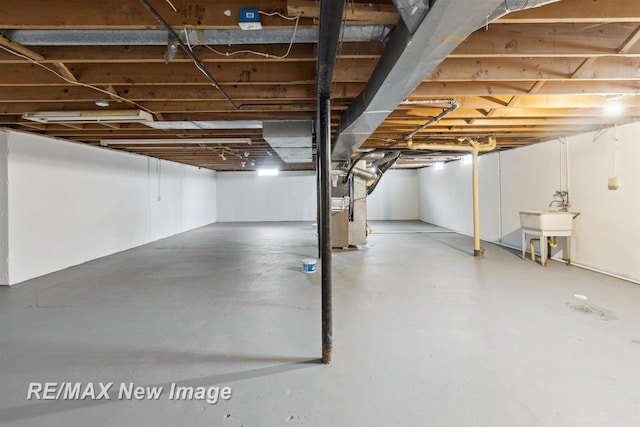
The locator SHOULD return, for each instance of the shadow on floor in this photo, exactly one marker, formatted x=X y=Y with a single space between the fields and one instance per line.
x=41 y=408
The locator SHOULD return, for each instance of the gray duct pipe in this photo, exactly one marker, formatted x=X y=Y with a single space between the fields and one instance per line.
x=412 y=12
x=381 y=166
x=509 y=6
x=72 y=37
x=409 y=58
x=364 y=174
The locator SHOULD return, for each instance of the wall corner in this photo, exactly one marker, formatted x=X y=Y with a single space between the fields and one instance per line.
x=4 y=208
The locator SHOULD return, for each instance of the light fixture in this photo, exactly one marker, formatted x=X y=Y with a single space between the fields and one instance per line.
x=268 y=172
x=102 y=102
x=174 y=141
x=210 y=124
x=89 y=116
x=613 y=108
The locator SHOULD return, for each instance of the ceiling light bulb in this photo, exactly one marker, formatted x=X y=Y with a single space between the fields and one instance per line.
x=613 y=108
x=102 y=102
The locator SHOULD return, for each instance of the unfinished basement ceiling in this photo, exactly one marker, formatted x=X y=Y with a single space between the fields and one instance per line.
x=528 y=77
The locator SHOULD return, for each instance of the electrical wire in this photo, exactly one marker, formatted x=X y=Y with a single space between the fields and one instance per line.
x=76 y=83
x=172 y=6
x=189 y=53
x=186 y=36
x=264 y=54
x=290 y=18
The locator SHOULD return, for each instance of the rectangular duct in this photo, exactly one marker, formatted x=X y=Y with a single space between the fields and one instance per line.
x=291 y=139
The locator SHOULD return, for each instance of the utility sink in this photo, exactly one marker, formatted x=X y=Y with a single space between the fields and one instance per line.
x=547 y=221
x=547 y=224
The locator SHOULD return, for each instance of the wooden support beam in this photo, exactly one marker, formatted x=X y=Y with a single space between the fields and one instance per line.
x=141 y=93
x=347 y=70
x=116 y=126
x=545 y=40
x=629 y=42
x=583 y=67
x=15 y=47
x=536 y=69
x=537 y=86
x=65 y=72
x=132 y=15
x=372 y=13
x=592 y=11
x=462 y=88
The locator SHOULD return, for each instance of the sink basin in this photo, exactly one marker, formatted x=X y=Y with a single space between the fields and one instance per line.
x=548 y=222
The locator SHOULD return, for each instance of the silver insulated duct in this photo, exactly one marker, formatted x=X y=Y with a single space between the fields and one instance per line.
x=410 y=56
x=412 y=12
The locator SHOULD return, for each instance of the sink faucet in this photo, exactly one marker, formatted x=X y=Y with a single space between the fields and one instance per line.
x=561 y=200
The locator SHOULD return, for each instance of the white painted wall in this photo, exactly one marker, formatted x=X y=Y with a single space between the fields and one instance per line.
x=247 y=197
x=530 y=176
x=395 y=197
x=608 y=229
x=445 y=196
x=70 y=203
x=606 y=238
x=4 y=211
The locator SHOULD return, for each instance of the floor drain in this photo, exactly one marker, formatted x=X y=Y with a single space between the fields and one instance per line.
x=582 y=308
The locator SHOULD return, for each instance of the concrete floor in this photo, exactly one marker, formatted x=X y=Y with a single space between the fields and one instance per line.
x=425 y=335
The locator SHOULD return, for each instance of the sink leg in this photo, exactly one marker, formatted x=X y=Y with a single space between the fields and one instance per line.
x=524 y=239
x=543 y=250
x=532 y=248
x=568 y=245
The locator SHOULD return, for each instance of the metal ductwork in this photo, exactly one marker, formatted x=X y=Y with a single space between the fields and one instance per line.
x=508 y=6
x=408 y=59
x=291 y=139
x=381 y=166
x=412 y=12
x=25 y=37
x=373 y=173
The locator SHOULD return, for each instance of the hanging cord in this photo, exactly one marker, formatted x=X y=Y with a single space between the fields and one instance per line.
x=172 y=6
x=199 y=65
x=76 y=83
x=264 y=54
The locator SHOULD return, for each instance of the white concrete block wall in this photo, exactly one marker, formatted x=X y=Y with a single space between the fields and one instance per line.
x=445 y=196
x=529 y=178
x=247 y=197
x=4 y=210
x=395 y=197
x=71 y=203
x=607 y=233
x=606 y=238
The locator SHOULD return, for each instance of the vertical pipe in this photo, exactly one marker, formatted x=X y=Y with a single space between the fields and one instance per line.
x=477 y=251
x=324 y=153
x=319 y=191
x=328 y=37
